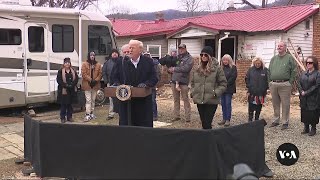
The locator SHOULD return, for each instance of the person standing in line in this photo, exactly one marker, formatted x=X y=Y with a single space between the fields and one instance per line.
x=282 y=73
x=125 y=49
x=67 y=79
x=257 y=84
x=308 y=86
x=208 y=83
x=230 y=71
x=91 y=72
x=106 y=73
x=181 y=74
x=154 y=89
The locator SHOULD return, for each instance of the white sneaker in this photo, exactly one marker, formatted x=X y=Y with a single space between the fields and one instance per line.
x=93 y=116
x=87 y=118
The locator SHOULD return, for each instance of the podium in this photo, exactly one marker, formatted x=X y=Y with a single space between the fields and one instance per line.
x=125 y=93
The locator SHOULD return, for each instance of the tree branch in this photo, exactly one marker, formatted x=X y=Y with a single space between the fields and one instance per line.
x=248 y=3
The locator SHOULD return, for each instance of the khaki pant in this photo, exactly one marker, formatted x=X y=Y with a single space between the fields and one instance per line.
x=90 y=100
x=176 y=99
x=281 y=93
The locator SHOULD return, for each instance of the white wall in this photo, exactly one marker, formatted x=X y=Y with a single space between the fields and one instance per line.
x=297 y=36
x=265 y=45
x=172 y=43
x=194 y=46
x=262 y=45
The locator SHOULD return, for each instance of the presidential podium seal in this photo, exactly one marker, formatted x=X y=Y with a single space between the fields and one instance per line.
x=123 y=92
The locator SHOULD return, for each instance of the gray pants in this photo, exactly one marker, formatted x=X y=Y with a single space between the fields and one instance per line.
x=281 y=93
x=111 y=106
x=176 y=98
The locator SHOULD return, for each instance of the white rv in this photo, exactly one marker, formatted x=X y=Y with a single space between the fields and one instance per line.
x=35 y=40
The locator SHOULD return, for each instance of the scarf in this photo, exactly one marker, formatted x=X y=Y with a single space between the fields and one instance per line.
x=64 y=90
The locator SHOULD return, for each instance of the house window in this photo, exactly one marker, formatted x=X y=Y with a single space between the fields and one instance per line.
x=155 y=50
x=99 y=39
x=62 y=38
x=308 y=24
x=10 y=36
x=36 y=39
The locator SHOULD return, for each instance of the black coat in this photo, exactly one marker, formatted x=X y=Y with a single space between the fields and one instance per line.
x=310 y=84
x=124 y=72
x=231 y=75
x=71 y=95
x=257 y=81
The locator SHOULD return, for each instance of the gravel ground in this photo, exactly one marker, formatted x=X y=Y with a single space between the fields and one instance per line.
x=307 y=166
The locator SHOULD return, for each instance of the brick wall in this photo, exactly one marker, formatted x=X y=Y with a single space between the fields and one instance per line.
x=316 y=35
x=242 y=67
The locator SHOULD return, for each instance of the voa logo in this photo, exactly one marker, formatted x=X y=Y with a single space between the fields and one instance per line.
x=290 y=155
x=287 y=154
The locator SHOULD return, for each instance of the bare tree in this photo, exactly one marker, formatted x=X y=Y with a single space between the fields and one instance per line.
x=81 y=4
x=215 y=5
x=191 y=6
x=121 y=9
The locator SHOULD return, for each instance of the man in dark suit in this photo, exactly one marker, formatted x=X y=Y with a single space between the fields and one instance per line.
x=137 y=71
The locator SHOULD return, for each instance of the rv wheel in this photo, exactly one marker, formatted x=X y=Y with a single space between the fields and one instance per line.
x=101 y=98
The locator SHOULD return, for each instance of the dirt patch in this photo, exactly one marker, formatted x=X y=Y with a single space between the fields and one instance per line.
x=307 y=166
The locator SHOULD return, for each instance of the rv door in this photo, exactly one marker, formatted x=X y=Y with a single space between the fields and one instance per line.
x=36 y=62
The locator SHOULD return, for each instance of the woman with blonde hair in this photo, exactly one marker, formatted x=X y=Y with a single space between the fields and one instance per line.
x=257 y=85
x=230 y=71
x=207 y=85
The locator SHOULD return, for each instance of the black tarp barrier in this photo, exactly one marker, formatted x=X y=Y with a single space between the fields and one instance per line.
x=113 y=152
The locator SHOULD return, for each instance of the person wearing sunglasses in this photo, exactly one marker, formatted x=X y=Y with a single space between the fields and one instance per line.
x=308 y=87
x=230 y=71
x=208 y=83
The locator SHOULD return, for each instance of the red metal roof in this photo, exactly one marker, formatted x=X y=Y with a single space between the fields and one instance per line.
x=256 y=20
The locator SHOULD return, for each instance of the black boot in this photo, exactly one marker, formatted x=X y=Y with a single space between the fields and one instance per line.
x=305 y=129
x=258 y=111
x=313 y=130
x=250 y=111
x=250 y=116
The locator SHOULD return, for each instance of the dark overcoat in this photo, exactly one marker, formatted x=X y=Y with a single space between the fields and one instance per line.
x=309 y=83
x=124 y=72
x=71 y=95
x=231 y=75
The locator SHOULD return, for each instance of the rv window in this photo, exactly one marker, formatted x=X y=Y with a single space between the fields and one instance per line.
x=62 y=38
x=10 y=36
x=36 y=39
x=99 y=39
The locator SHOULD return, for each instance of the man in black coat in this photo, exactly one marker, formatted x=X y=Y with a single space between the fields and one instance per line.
x=137 y=71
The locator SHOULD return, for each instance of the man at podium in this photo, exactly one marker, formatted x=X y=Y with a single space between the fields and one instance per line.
x=137 y=71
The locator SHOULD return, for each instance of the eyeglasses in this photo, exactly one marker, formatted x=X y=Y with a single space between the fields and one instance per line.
x=126 y=52
x=309 y=62
x=205 y=55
